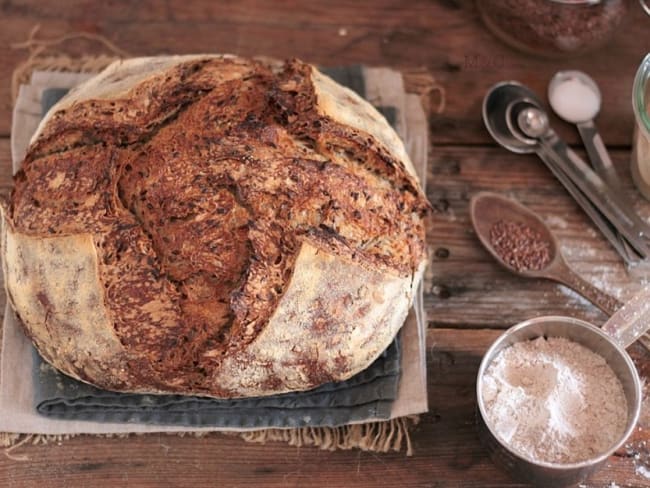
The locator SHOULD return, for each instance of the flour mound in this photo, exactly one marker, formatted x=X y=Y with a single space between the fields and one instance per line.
x=553 y=400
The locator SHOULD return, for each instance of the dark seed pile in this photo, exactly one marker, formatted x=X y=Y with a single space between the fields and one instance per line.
x=520 y=246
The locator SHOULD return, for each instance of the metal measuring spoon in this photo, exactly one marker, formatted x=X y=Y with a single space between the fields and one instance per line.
x=486 y=209
x=575 y=97
x=533 y=123
x=500 y=111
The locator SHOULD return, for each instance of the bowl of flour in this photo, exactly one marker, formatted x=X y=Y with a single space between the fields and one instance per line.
x=556 y=397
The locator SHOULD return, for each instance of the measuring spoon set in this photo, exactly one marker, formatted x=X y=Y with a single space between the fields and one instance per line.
x=515 y=118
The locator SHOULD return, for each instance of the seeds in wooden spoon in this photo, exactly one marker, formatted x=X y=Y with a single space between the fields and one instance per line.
x=519 y=245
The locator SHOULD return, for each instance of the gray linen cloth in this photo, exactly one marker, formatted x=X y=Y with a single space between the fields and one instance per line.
x=368 y=395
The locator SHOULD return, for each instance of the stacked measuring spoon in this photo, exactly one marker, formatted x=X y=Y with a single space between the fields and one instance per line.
x=515 y=118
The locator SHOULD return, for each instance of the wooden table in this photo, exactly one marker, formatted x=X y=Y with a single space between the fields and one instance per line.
x=469 y=300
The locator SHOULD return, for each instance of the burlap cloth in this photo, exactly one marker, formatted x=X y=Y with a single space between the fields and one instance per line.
x=384 y=87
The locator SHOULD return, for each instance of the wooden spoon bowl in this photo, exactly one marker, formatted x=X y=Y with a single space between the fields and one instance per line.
x=487 y=209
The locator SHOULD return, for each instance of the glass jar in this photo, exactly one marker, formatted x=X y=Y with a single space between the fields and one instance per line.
x=641 y=140
x=553 y=28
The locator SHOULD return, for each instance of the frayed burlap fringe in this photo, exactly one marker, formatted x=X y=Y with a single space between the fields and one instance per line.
x=383 y=436
x=44 y=55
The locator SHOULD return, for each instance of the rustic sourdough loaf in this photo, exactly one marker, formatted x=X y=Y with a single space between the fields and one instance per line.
x=213 y=225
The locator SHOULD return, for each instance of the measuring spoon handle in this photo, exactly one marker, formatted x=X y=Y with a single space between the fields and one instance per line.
x=631 y=321
x=598 y=154
x=602 y=300
x=628 y=322
x=610 y=233
x=626 y=221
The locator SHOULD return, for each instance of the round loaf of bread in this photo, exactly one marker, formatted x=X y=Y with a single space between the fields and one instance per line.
x=212 y=225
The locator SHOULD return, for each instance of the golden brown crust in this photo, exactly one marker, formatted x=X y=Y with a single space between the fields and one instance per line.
x=233 y=215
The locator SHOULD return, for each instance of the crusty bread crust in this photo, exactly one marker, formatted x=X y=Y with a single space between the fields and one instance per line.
x=213 y=225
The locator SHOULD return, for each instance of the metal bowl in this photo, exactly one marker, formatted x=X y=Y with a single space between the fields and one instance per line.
x=589 y=336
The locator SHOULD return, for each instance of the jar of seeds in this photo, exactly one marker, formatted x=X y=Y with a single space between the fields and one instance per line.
x=641 y=138
x=553 y=28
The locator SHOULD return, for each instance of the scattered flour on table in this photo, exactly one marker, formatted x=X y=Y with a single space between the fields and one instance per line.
x=553 y=400
x=640 y=453
x=607 y=280
x=574 y=296
x=642 y=470
x=557 y=222
x=581 y=252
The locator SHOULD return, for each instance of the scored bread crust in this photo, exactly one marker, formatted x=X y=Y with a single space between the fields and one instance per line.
x=339 y=302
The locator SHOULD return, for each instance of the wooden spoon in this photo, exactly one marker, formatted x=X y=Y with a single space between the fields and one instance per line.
x=486 y=209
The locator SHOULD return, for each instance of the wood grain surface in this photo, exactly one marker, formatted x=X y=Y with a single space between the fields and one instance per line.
x=468 y=298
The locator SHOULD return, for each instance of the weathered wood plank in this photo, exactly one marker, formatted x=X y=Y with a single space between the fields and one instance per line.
x=447 y=450
x=443 y=37
x=465 y=290
x=464 y=285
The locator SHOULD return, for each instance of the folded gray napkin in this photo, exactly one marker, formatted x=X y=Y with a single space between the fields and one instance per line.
x=368 y=395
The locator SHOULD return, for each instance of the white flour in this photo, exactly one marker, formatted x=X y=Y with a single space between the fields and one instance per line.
x=553 y=400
